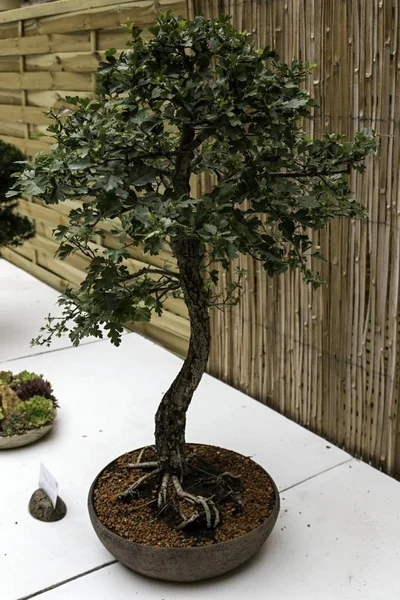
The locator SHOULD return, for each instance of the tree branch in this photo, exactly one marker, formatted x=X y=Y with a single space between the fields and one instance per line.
x=150 y=270
x=299 y=174
x=199 y=139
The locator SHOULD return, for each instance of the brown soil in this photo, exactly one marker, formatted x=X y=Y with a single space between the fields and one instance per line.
x=243 y=503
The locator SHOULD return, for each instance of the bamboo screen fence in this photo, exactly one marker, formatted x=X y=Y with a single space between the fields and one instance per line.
x=327 y=359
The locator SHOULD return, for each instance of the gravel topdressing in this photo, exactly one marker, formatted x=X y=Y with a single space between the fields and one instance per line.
x=139 y=520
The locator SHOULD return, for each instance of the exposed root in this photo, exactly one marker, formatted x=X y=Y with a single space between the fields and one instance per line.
x=141 y=453
x=189 y=507
x=144 y=465
x=224 y=479
x=235 y=498
x=215 y=510
x=207 y=505
x=130 y=491
x=153 y=465
x=187 y=521
x=229 y=475
x=162 y=494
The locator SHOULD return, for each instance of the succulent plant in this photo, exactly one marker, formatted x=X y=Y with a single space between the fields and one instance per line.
x=36 y=387
x=25 y=376
x=8 y=399
x=5 y=377
x=26 y=402
x=31 y=414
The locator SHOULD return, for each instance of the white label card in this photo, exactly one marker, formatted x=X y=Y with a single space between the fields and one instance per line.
x=48 y=484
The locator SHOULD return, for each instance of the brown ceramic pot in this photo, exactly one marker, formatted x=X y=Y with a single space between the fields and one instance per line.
x=183 y=564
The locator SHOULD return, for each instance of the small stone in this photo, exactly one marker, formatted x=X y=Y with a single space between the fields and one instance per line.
x=41 y=507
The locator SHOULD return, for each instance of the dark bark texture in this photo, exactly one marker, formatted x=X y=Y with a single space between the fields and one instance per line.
x=188 y=251
x=171 y=414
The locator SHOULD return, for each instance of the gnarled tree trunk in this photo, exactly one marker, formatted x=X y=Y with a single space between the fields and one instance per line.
x=171 y=414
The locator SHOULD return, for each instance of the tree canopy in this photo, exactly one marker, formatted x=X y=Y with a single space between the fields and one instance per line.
x=198 y=97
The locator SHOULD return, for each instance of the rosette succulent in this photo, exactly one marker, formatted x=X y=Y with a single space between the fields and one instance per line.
x=26 y=402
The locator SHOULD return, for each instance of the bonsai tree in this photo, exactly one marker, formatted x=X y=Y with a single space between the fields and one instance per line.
x=14 y=228
x=197 y=98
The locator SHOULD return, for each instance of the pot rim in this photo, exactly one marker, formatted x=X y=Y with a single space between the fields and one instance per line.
x=19 y=435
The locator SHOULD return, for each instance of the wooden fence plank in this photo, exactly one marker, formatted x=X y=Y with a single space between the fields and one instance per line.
x=27 y=146
x=24 y=114
x=74 y=62
x=46 y=81
x=44 y=44
x=142 y=12
x=62 y=7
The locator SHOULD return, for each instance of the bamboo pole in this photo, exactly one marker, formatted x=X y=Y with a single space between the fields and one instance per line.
x=329 y=359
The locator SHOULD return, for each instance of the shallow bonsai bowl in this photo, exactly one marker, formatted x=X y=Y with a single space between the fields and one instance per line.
x=187 y=563
x=23 y=439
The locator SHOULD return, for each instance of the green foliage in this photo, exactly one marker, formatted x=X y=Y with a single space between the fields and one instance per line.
x=10 y=156
x=197 y=98
x=5 y=377
x=36 y=387
x=14 y=228
x=25 y=377
x=34 y=413
x=26 y=402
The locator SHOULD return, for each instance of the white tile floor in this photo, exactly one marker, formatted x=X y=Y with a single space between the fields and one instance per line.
x=24 y=304
x=338 y=536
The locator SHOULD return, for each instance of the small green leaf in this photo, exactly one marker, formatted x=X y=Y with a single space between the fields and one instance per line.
x=211 y=228
x=308 y=202
x=113 y=182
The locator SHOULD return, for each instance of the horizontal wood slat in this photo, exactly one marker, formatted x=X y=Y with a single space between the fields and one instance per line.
x=142 y=12
x=28 y=146
x=46 y=81
x=61 y=7
x=72 y=62
x=43 y=44
x=24 y=114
